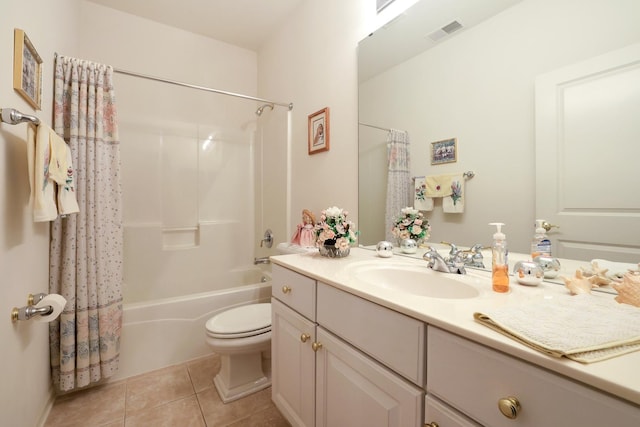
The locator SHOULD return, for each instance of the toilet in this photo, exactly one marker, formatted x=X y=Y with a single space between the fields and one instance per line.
x=242 y=338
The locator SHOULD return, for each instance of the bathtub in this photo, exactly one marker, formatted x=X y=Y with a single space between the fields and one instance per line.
x=169 y=331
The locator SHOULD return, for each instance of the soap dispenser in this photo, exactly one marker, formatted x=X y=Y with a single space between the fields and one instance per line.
x=540 y=245
x=499 y=260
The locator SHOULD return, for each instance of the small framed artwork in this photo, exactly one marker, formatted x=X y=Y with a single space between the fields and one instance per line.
x=27 y=69
x=319 y=131
x=445 y=151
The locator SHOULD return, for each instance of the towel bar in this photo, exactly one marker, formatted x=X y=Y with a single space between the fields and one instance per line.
x=14 y=117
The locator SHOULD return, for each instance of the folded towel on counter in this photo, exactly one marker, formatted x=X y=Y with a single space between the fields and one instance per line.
x=421 y=201
x=49 y=163
x=454 y=203
x=584 y=328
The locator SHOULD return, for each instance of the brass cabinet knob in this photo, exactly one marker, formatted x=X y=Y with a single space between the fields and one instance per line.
x=432 y=424
x=316 y=346
x=286 y=289
x=509 y=406
x=305 y=337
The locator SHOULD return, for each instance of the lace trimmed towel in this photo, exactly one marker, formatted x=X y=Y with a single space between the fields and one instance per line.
x=584 y=328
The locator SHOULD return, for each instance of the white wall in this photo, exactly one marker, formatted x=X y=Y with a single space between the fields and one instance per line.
x=478 y=86
x=24 y=246
x=312 y=62
x=186 y=202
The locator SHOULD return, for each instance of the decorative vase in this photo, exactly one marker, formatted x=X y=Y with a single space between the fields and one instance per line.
x=330 y=251
x=409 y=246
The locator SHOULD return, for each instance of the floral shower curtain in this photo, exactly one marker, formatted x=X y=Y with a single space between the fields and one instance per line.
x=398 y=178
x=86 y=248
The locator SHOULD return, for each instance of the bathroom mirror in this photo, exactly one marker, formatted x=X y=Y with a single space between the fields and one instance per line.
x=478 y=84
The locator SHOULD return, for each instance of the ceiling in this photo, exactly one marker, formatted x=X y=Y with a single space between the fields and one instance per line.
x=414 y=30
x=244 y=23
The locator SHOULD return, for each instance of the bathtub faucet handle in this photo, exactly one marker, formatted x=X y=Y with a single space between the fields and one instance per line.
x=268 y=238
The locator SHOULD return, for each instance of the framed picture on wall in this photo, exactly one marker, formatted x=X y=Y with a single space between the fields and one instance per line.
x=319 y=131
x=27 y=69
x=445 y=151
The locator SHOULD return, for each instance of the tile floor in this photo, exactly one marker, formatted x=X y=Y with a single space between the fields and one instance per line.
x=181 y=395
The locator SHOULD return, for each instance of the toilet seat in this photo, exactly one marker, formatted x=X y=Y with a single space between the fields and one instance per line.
x=245 y=321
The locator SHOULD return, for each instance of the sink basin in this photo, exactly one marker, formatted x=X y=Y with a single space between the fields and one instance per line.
x=414 y=279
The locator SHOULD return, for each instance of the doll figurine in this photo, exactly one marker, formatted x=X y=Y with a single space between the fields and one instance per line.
x=305 y=234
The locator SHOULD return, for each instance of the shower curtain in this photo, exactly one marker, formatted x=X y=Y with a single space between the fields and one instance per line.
x=86 y=248
x=398 y=179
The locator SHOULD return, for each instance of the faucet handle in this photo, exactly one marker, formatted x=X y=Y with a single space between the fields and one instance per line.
x=454 y=249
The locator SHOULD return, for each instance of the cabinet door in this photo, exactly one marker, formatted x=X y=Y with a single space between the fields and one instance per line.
x=437 y=413
x=353 y=390
x=293 y=364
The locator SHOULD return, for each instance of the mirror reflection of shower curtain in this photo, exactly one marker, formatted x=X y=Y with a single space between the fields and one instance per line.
x=398 y=178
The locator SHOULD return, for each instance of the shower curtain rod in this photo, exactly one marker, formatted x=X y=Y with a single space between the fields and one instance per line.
x=207 y=89
x=375 y=127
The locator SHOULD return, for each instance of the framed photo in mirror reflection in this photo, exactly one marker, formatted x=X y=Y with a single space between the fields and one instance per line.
x=445 y=151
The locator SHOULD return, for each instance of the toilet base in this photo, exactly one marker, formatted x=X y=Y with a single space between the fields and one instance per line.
x=240 y=375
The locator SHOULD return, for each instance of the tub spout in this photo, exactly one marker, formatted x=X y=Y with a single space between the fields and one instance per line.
x=262 y=260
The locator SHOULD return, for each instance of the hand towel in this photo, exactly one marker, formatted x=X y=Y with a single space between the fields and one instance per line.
x=421 y=201
x=49 y=163
x=584 y=328
x=42 y=196
x=438 y=185
x=67 y=202
x=454 y=203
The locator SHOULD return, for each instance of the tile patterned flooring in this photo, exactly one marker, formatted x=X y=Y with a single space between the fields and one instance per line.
x=181 y=395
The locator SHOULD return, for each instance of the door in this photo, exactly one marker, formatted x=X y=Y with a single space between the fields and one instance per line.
x=293 y=365
x=588 y=156
x=353 y=390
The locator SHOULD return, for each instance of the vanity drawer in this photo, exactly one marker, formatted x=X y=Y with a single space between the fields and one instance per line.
x=295 y=290
x=393 y=339
x=473 y=378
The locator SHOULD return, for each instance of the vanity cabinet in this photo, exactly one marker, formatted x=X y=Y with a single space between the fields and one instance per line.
x=321 y=378
x=342 y=360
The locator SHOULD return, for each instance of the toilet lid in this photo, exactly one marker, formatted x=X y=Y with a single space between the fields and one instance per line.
x=247 y=320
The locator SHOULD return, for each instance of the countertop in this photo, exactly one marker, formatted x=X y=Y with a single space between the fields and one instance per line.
x=619 y=376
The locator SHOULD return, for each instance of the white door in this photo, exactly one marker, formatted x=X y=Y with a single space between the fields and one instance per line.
x=353 y=390
x=588 y=156
x=293 y=365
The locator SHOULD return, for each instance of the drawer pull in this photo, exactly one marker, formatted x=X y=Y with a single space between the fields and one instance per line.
x=509 y=406
x=286 y=289
x=432 y=424
x=305 y=337
x=316 y=346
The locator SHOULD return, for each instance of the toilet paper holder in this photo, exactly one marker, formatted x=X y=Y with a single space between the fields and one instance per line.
x=30 y=310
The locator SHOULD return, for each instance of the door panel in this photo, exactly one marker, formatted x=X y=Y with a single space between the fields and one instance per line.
x=588 y=156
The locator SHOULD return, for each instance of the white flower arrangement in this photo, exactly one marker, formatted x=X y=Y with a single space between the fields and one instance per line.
x=334 y=229
x=411 y=224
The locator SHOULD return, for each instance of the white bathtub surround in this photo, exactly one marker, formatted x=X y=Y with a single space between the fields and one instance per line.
x=86 y=248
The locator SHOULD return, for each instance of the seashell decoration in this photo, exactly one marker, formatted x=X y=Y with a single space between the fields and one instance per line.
x=596 y=275
x=629 y=289
x=578 y=284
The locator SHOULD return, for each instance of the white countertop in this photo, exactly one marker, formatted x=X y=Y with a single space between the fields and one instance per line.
x=619 y=376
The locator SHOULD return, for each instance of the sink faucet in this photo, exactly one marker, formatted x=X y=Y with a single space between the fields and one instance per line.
x=437 y=263
x=471 y=257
